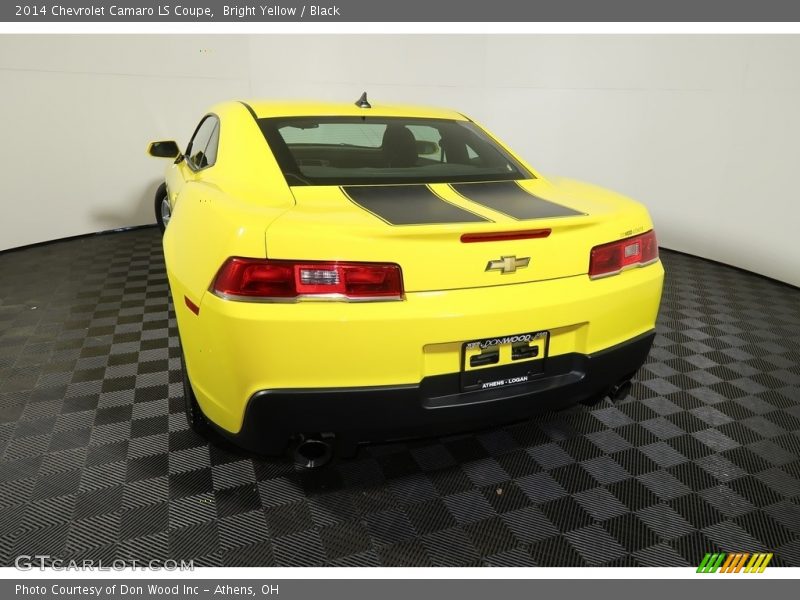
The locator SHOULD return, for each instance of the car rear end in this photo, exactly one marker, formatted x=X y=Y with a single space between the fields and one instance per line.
x=385 y=370
x=386 y=309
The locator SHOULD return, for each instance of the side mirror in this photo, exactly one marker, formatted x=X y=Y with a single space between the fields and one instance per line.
x=425 y=147
x=166 y=149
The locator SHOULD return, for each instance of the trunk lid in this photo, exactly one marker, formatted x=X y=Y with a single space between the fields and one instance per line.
x=420 y=227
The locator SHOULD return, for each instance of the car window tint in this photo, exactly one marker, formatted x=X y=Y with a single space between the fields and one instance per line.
x=385 y=150
x=425 y=133
x=344 y=134
x=213 y=144
x=202 y=151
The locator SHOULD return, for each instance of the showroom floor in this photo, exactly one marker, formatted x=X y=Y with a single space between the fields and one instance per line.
x=96 y=460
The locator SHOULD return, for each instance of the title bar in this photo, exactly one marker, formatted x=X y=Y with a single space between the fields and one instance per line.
x=463 y=11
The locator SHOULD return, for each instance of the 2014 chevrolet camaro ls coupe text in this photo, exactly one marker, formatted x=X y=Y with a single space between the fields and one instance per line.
x=381 y=272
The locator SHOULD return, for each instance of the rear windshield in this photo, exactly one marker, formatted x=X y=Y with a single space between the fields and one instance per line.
x=375 y=150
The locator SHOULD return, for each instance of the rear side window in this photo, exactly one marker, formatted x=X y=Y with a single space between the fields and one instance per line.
x=385 y=150
x=202 y=150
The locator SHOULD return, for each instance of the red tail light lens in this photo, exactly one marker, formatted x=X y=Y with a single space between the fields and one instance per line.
x=258 y=279
x=610 y=259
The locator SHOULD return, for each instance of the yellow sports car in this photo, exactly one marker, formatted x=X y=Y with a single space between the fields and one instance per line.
x=365 y=273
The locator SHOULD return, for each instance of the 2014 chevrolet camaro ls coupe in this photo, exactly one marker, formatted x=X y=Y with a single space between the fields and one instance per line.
x=380 y=272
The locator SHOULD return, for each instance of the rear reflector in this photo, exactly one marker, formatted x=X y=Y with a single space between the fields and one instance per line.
x=499 y=236
x=265 y=280
x=610 y=259
x=191 y=305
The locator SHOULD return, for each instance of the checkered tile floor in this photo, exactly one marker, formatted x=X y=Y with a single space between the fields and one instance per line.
x=96 y=460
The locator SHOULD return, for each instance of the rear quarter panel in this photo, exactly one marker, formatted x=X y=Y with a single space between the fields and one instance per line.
x=222 y=211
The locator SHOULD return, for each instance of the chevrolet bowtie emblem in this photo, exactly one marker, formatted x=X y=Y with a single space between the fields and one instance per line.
x=508 y=264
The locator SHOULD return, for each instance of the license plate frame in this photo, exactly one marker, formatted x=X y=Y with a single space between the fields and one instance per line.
x=514 y=365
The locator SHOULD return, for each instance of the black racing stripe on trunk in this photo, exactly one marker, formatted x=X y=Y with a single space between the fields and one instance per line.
x=511 y=199
x=408 y=205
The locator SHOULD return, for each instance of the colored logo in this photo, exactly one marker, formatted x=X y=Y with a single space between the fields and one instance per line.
x=734 y=562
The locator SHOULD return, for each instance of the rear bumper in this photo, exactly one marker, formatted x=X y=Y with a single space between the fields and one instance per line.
x=234 y=350
x=435 y=406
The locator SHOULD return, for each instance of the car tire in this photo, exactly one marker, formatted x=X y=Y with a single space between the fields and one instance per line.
x=162 y=207
x=194 y=414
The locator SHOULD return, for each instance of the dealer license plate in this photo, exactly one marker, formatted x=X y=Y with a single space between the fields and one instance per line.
x=503 y=360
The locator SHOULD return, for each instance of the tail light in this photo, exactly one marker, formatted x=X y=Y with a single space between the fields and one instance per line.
x=610 y=259
x=287 y=280
x=500 y=236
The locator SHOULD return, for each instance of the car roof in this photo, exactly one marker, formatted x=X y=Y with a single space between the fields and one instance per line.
x=271 y=108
